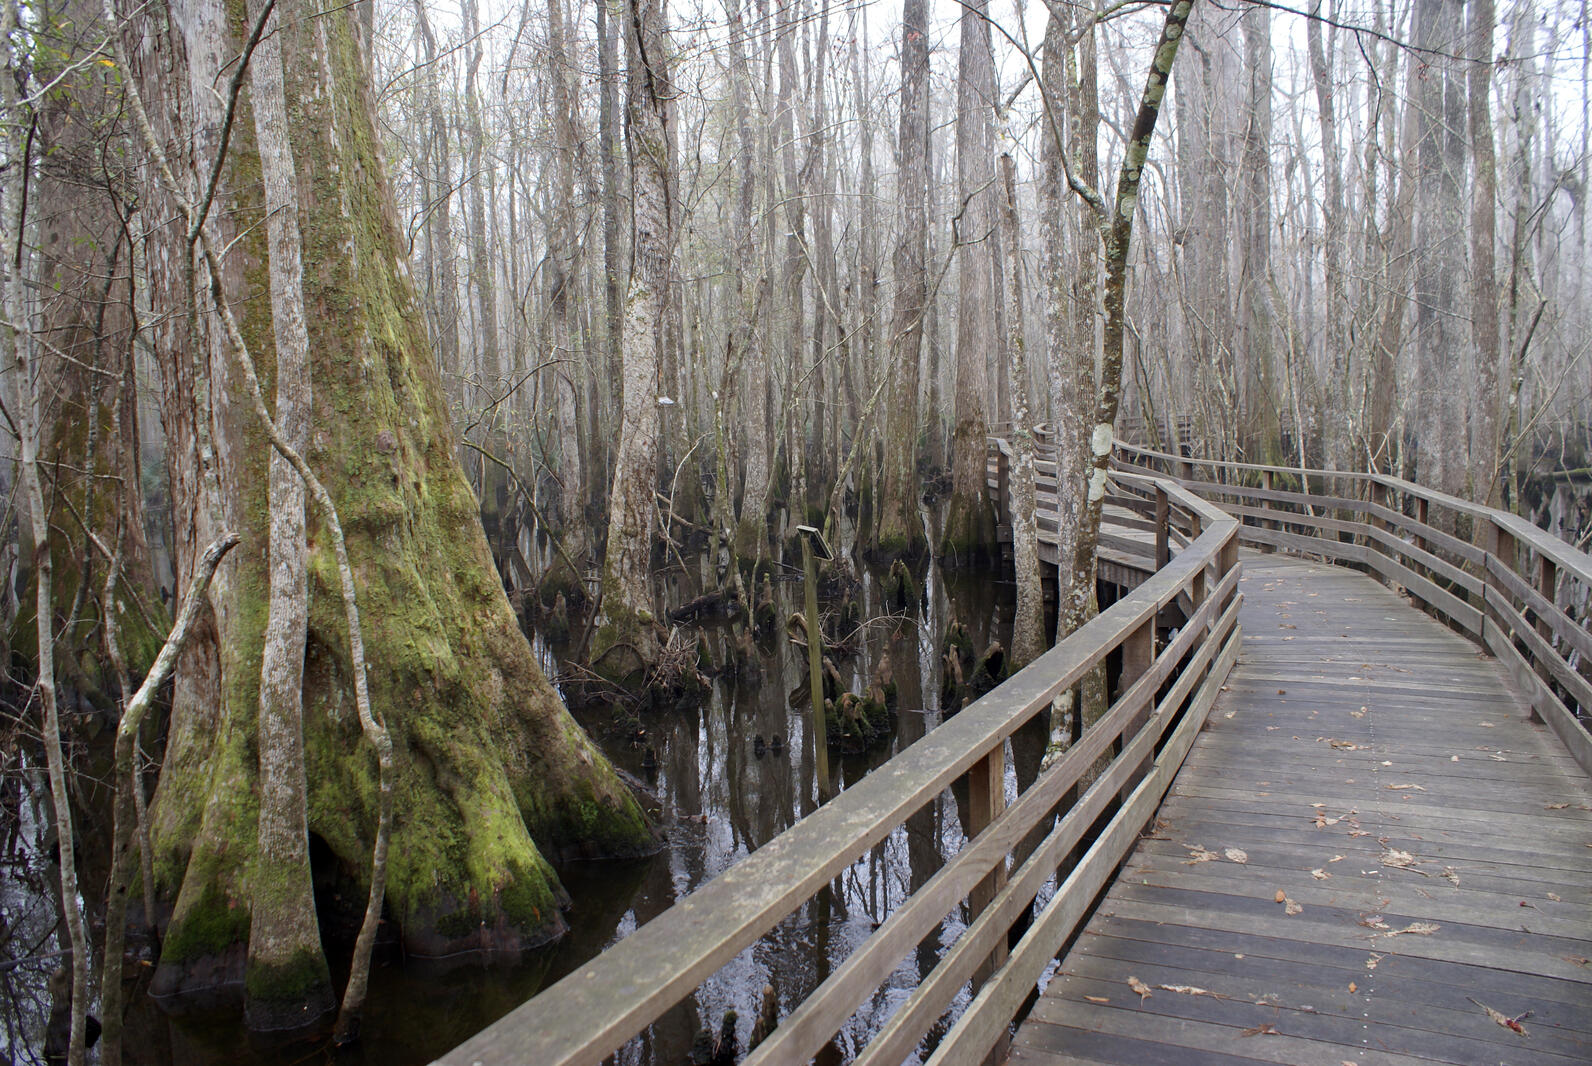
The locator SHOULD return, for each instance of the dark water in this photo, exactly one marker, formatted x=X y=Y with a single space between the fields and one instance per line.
x=719 y=802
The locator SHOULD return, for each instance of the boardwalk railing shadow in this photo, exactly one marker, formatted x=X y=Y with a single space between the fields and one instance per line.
x=1166 y=687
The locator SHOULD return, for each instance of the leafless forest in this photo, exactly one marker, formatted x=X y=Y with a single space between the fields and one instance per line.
x=296 y=292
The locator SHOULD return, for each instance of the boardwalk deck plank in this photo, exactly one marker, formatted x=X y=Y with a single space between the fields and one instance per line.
x=1358 y=664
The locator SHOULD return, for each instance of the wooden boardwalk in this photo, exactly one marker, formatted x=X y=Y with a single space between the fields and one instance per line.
x=1369 y=846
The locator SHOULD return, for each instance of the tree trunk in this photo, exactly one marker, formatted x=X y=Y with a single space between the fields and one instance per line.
x=563 y=268
x=1028 y=626
x=1485 y=483
x=625 y=641
x=900 y=530
x=494 y=774
x=1335 y=414
x=288 y=984
x=1439 y=407
x=970 y=525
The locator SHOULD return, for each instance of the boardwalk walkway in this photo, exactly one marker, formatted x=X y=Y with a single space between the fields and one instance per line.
x=1369 y=845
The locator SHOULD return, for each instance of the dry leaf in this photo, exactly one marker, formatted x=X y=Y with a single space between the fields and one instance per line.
x=1357 y=714
x=1353 y=987
x=1281 y=895
x=1236 y=855
x=1554 y=896
x=1450 y=875
x=1189 y=990
x=1374 y=921
x=1487 y=725
x=1336 y=858
x=1320 y=875
x=1140 y=987
x=1395 y=857
x=1198 y=853
x=1512 y=1024
x=1291 y=908
x=1416 y=929
x=1400 y=788
x=1098 y=999
x=1372 y=960
x=1261 y=1030
x=1554 y=806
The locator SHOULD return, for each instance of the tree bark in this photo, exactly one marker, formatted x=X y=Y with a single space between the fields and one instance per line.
x=900 y=531
x=1485 y=444
x=287 y=983
x=970 y=523
x=625 y=641
x=495 y=775
x=1439 y=405
x=1028 y=625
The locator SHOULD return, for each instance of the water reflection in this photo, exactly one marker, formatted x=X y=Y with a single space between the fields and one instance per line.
x=719 y=800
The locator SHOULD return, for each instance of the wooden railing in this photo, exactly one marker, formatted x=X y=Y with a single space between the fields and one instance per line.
x=1520 y=592
x=1166 y=689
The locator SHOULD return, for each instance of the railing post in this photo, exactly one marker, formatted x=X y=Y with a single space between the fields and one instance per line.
x=986 y=799
x=1138 y=654
x=1420 y=516
x=1547 y=582
x=1501 y=546
x=1003 y=481
x=1163 y=514
x=1268 y=481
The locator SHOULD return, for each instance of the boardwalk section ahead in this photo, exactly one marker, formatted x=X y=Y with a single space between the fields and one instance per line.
x=1371 y=855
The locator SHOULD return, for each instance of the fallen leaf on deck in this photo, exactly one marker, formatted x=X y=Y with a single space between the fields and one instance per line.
x=1554 y=896
x=1366 y=833
x=1512 y=1024
x=1190 y=990
x=1290 y=907
x=1261 y=1030
x=1487 y=725
x=1098 y=999
x=1579 y=960
x=1449 y=874
x=1374 y=921
x=1453 y=758
x=1237 y=855
x=1415 y=929
x=1357 y=714
x=1199 y=853
x=1140 y=987
x=1336 y=858
x=1281 y=895
x=1401 y=788
x=1554 y=806
x=1402 y=859
x=1353 y=987
x=1319 y=874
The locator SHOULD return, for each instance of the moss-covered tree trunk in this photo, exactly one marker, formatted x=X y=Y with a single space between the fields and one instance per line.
x=493 y=776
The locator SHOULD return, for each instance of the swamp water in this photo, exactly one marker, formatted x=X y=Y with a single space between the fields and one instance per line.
x=719 y=800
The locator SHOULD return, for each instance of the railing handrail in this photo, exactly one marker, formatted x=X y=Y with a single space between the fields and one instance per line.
x=1502 y=586
x=595 y=1010
x=1566 y=556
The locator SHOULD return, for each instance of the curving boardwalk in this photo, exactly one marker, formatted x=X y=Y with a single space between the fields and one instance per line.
x=1413 y=850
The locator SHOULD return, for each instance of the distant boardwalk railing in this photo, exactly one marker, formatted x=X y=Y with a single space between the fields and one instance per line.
x=1523 y=594
x=1167 y=686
